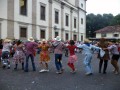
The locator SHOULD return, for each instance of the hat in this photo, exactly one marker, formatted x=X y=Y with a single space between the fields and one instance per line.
x=31 y=39
x=43 y=40
x=7 y=40
x=58 y=38
x=87 y=41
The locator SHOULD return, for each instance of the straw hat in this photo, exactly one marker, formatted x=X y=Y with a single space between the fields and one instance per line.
x=58 y=38
x=87 y=41
x=7 y=40
x=31 y=39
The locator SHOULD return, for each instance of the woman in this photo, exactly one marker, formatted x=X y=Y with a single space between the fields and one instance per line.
x=115 y=56
x=103 y=44
x=72 y=58
x=44 y=56
x=19 y=55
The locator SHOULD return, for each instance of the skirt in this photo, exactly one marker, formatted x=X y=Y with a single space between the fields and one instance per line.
x=72 y=59
x=19 y=57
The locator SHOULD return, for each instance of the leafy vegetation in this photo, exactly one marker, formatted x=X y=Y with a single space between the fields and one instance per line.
x=96 y=22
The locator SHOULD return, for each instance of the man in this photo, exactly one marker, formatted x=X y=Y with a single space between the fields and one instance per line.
x=58 y=50
x=87 y=49
x=30 y=47
x=6 y=53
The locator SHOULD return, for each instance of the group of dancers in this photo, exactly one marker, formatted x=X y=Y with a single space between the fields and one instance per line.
x=25 y=50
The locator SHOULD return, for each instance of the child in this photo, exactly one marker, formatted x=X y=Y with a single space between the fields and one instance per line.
x=44 y=56
x=72 y=58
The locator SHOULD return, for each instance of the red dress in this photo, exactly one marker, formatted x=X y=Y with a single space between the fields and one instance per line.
x=72 y=58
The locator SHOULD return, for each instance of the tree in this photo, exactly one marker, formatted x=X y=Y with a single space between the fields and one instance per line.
x=116 y=20
x=96 y=22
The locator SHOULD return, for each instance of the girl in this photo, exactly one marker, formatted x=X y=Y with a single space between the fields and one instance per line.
x=44 y=56
x=72 y=58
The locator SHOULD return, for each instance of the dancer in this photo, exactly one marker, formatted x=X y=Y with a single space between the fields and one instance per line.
x=103 y=44
x=72 y=58
x=30 y=48
x=58 y=50
x=44 y=56
x=6 y=53
x=87 y=49
x=19 y=55
x=115 y=56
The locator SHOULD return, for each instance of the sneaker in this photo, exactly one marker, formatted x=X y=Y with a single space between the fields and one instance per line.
x=59 y=72
x=113 y=71
x=47 y=70
x=42 y=70
x=73 y=72
x=116 y=73
x=88 y=74
x=62 y=70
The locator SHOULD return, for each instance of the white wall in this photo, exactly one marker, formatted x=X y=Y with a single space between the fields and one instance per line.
x=3 y=9
x=22 y=18
x=66 y=11
x=72 y=2
x=75 y=15
x=3 y=29
x=84 y=4
x=42 y=22
x=56 y=6
x=17 y=29
x=3 y=15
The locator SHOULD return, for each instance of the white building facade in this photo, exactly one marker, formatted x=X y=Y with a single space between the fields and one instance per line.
x=43 y=19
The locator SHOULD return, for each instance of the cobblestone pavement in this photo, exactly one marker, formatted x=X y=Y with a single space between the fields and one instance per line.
x=20 y=80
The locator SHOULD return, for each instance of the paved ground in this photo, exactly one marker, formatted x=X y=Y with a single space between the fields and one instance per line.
x=19 y=80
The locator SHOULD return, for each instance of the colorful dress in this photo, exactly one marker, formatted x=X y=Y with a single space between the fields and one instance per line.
x=19 y=55
x=44 y=54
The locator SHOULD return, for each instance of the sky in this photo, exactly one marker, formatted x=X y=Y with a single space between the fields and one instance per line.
x=103 y=6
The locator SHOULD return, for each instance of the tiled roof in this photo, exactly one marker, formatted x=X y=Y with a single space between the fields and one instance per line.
x=108 y=29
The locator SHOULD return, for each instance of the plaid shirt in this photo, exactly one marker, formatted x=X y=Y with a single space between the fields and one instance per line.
x=58 y=47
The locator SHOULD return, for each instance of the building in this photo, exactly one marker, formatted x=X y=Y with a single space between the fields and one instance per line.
x=21 y=19
x=109 y=32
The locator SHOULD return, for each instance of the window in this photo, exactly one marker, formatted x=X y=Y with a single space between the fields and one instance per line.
x=42 y=34
x=66 y=36
x=42 y=12
x=81 y=37
x=115 y=35
x=103 y=35
x=82 y=5
x=56 y=34
x=81 y=20
x=56 y=17
x=23 y=7
x=74 y=22
x=23 y=32
x=67 y=20
x=75 y=37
